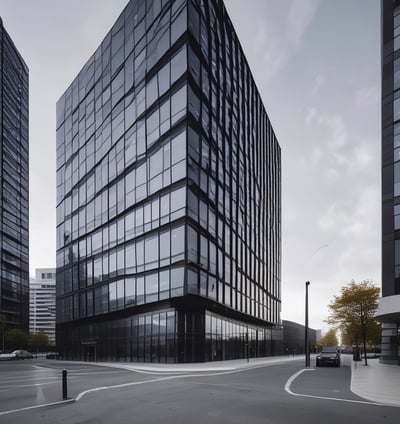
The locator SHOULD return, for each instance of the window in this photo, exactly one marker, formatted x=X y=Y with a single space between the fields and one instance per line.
x=178 y=65
x=396 y=110
x=140 y=291
x=140 y=256
x=397 y=259
x=397 y=217
x=113 y=296
x=165 y=249
x=396 y=74
x=177 y=280
x=192 y=241
x=177 y=244
x=152 y=287
x=178 y=203
x=179 y=26
x=397 y=179
x=164 y=285
x=120 y=294
x=130 y=288
x=130 y=258
x=151 y=251
x=178 y=104
x=151 y=91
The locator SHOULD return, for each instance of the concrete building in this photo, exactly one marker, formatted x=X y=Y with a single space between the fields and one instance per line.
x=42 y=303
x=168 y=195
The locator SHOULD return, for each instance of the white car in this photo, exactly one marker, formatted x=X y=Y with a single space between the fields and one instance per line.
x=7 y=356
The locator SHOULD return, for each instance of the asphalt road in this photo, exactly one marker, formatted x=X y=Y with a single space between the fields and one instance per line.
x=279 y=394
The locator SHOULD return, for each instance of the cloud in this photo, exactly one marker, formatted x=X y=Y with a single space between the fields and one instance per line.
x=301 y=14
x=274 y=55
x=310 y=115
x=367 y=96
x=338 y=130
x=271 y=34
x=319 y=82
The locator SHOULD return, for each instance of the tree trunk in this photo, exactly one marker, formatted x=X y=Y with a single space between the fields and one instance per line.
x=364 y=344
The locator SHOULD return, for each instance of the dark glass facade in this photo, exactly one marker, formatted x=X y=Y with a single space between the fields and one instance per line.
x=168 y=195
x=294 y=338
x=14 y=185
x=389 y=307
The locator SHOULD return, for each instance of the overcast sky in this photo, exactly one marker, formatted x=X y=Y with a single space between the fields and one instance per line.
x=317 y=66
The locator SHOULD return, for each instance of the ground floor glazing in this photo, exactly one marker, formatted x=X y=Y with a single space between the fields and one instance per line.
x=168 y=336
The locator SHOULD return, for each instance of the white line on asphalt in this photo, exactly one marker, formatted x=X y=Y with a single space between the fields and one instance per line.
x=294 y=376
x=12 y=411
x=171 y=377
x=28 y=385
x=28 y=378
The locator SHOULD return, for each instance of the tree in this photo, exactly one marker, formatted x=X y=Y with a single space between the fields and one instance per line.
x=39 y=341
x=330 y=339
x=353 y=312
x=17 y=339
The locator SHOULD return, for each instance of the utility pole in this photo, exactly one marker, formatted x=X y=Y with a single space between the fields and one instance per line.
x=307 y=346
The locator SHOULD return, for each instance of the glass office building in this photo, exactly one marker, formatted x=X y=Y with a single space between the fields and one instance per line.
x=168 y=195
x=389 y=306
x=14 y=186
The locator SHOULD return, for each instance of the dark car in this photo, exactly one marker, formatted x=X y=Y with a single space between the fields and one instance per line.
x=52 y=355
x=328 y=356
x=22 y=354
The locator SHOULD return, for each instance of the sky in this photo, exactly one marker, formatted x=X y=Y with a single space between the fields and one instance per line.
x=316 y=64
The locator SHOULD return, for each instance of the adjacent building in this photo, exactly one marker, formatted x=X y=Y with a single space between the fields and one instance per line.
x=14 y=186
x=389 y=307
x=294 y=338
x=42 y=302
x=168 y=195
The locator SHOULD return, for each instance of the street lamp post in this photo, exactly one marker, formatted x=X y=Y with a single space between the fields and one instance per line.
x=307 y=346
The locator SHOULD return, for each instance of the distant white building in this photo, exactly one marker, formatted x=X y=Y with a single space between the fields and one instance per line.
x=42 y=303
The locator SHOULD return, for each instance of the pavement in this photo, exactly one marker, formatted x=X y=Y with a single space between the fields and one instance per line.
x=375 y=382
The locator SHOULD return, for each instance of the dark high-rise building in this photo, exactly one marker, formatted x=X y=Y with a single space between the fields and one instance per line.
x=14 y=186
x=389 y=307
x=168 y=195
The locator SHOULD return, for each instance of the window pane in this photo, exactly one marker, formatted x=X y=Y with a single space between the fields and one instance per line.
x=165 y=249
x=177 y=276
x=178 y=104
x=152 y=287
x=178 y=65
x=151 y=251
x=130 y=288
x=164 y=284
x=177 y=243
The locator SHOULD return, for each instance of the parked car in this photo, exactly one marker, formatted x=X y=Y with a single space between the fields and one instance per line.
x=22 y=354
x=328 y=356
x=7 y=355
x=52 y=355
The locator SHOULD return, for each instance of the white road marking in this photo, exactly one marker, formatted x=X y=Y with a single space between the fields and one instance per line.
x=28 y=385
x=12 y=411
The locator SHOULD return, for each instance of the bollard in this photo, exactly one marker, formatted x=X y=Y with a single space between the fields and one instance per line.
x=64 y=385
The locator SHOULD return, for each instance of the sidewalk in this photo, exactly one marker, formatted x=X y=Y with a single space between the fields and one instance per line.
x=377 y=382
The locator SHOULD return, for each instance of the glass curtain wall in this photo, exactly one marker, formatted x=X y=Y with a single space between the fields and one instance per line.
x=168 y=185
x=14 y=185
